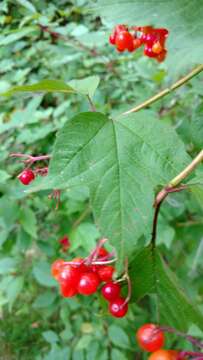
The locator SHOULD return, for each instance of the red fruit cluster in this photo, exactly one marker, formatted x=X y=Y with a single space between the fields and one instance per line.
x=80 y=277
x=153 y=40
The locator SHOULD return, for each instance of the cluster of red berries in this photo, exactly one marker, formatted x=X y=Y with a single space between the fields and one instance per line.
x=151 y=338
x=152 y=39
x=84 y=276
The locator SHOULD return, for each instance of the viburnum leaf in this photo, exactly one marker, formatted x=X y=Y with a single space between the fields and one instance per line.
x=150 y=275
x=43 y=86
x=121 y=162
x=182 y=18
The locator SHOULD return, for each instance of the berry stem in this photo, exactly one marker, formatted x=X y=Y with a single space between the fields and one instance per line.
x=171 y=187
x=29 y=158
x=190 y=338
x=195 y=355
x=127 y=299
x=165 y=92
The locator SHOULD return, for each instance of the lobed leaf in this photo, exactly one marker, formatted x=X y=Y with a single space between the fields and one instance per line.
x=121 y=162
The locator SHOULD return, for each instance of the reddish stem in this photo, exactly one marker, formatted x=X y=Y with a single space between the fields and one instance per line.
x=190 y=338
x=30 y=159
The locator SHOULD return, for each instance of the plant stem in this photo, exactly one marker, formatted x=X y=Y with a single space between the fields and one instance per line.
x=166 y=91
x=92 y=107
x=172 y=186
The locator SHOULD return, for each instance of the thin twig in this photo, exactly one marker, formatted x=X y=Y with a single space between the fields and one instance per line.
x=92 y=107
x=166 y=91
x=190 y=338
x=172 y=186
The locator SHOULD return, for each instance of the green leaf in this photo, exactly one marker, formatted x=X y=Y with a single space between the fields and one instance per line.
x=41 y=87
x=41 y=272
x=16 y=35
x=121 y=161
x=185 y=26
x=44 y=300
x=28 y=221
x=84 y=342
x=117 y=354
x=118 y=336
x=150 y=275
x=7 y=265
x=50 y=336
x=14 y=289
x=28 y=5
x=85 y=86
x=84 y=235
x=4 y=176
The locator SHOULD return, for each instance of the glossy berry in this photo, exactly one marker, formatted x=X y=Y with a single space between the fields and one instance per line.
x=164 y=355
x=124 y=41
x=150 y=39
x=118 y=308
x=67 y=290
x=148 y=52
x=111 y=291
x=26 y=176
x=88 y=283
x=69 y=275
x=150 y=338
x=105 y=272
x=80 y=265
x=56 y=268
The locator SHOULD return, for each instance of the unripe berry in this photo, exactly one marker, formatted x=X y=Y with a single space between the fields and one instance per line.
x=164 y=355
x=26 y=176
x=56 y=268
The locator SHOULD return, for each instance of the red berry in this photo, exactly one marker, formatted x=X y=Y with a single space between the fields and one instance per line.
x=112 y=39
x=148 y=52
x=68 y=291
x=137 y=43
x=117 y=307
x=111 y=291
x=105 y=272
x=56 y=268
x=88 y=283
x=26 y=176
x=69 y=275
x=164 y=355
x=150 y=39
x=124 y=40
x=150 y=338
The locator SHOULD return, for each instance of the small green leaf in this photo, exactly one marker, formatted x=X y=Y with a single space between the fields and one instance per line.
x=4 y=176
x=43 y=86
x=50 y=336
x=28 y=221
x=41 y=272
x=118 y=336
x=14 y=289
x=85 y=235
x=85 y=86
x=7 y=265
x=44 y=300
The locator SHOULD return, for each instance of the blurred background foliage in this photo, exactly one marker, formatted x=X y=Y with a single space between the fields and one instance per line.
x=36 y=323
